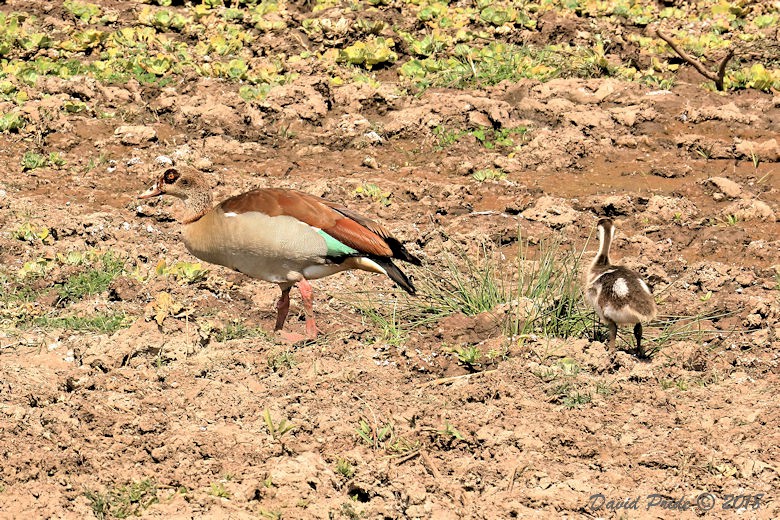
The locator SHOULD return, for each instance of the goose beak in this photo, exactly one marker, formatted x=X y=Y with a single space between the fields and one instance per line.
x=154 y=191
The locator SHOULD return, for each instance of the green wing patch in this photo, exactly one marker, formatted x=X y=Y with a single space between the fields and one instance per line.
x=336 y=248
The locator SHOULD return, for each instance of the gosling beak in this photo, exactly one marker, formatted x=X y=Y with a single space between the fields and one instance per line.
x=154 y=191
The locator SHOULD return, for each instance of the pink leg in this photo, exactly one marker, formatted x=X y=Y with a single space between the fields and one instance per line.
x=282 y=308
x=307 y=295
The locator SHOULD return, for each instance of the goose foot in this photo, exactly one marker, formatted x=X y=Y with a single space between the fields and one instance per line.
x=292 y=338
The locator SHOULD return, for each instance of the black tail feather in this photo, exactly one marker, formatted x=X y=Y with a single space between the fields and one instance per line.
x=400 y=252
x=395 y=273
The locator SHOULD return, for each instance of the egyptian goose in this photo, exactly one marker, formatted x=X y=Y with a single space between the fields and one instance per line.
x=281 y=236
x=618 y=294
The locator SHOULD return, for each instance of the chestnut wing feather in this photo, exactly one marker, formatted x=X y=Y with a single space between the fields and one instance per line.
x=336 y=221
x=397 y=248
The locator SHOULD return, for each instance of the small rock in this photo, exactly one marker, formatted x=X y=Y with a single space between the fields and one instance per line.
x=116 y=96
x=559 y=105
x=416 y=494
x=443 y=513
x=752 y=321
x=665 y=209
x=135 y=134
x=768 y=150
x=726 y=186
x=147 y=424
x=418 y=511
x=459 y=328
x=606 y=88
x=159 y=454
x=123 y=288
x=749 y=209
x=374 y=137
x=590 y=119
x=745 y=279
x=370 y=162
x=163 y=160
x=760 y=337
x=203 y=164
x=555 y=212
x=626 y=116
x=479 y=119
x=465 y=168
x=182 y=153
x=728 y=113
x=671 y=171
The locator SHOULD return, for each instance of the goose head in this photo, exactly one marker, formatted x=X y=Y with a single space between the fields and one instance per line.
x=181 y=184
x=187 y=185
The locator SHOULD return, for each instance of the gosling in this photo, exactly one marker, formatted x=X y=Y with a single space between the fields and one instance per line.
x=618 y=294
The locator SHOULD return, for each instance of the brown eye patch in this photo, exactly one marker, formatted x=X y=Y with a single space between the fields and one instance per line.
x=170 y=176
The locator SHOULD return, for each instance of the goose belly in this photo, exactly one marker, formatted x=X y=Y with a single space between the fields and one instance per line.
x=277 y=249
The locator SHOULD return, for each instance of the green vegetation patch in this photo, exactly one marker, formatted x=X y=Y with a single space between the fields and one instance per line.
x=102 y=323
x=124 y=501
x=39 y=294
x=439 y=44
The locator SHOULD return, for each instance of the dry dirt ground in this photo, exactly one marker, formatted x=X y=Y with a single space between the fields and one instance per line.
x=164 y=416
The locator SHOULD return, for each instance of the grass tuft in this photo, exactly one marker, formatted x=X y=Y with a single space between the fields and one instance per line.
x=123 y=501
x=104 y=323
x=94 y=280
x=541 y=293
x=538 y=293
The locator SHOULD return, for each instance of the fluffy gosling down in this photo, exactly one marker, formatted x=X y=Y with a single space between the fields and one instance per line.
x=281 y=236
x=618 y=294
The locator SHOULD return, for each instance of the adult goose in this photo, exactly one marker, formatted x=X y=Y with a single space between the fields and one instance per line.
x=281 y=236
x=618 y=294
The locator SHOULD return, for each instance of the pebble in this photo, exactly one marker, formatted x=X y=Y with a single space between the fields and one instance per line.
x=135 y=134
x=163 y=160
x=726 y=186
x=203 y=164
x=370 y=162
x=374 y=137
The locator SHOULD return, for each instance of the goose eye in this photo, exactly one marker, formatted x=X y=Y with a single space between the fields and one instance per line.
x=170 y=176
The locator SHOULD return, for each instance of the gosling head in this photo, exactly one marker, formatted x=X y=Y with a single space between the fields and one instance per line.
x=606 y=229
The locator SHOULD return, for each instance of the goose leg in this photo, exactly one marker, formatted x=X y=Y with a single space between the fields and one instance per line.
x=282 y=308
x=638 y=335
x=307 y=295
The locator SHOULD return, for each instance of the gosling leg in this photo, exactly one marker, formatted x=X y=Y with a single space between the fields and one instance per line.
x=640 y=351
x=612 y=335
